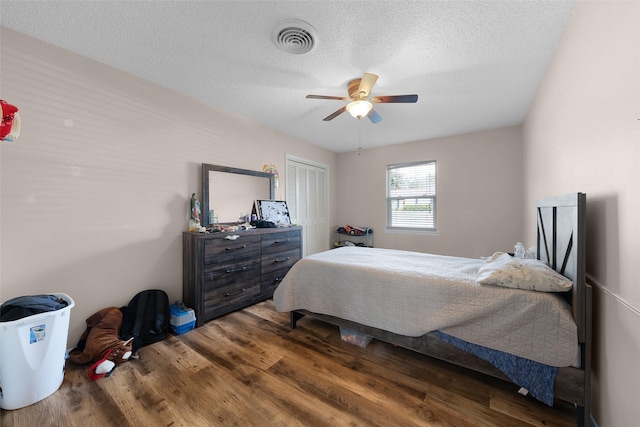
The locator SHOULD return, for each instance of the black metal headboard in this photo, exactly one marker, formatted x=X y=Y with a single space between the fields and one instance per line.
x=561 y=243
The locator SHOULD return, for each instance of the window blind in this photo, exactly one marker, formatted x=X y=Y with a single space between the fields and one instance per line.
x=411 y=196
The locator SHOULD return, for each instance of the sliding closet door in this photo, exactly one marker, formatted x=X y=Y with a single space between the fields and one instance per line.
x=307 y=202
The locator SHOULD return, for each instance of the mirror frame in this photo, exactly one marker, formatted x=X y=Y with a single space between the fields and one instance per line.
x=206 y=168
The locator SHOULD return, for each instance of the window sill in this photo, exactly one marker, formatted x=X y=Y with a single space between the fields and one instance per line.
x=411 y=231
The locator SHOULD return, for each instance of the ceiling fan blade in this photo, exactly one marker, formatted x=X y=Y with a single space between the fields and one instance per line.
x=366 y=84
x=337 y=98
x=335 y=114
x=374 y=117
x=395 y=98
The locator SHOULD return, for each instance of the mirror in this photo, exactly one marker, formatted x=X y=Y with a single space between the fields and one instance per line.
x=231 y=191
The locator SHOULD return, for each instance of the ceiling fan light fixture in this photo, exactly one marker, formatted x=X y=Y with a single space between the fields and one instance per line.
x=359 y=108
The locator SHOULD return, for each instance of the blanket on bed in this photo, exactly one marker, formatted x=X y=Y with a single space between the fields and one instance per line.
x=411 y=293
x=537 y=378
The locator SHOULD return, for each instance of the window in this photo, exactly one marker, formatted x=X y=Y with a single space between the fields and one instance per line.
x=411 y=196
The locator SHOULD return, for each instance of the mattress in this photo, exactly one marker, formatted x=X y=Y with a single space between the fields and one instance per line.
x=412 y=293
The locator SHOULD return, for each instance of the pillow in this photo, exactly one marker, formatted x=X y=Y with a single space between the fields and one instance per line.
x=502 y=269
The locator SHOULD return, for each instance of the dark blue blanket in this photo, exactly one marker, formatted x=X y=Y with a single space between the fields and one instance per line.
x=536 y=377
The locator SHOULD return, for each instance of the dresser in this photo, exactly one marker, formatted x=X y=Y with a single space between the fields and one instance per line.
x=221 y=275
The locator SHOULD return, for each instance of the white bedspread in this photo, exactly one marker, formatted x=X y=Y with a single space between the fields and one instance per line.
x=411 y=293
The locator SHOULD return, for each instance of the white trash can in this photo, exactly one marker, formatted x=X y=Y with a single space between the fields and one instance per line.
x=32 y=356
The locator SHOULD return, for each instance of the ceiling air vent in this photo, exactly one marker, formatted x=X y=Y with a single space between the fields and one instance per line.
x=294 y=36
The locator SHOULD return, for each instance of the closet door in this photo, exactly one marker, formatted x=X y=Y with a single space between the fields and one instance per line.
x=307 y=201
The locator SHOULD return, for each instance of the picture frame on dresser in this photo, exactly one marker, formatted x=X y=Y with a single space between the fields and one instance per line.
x=275 y=211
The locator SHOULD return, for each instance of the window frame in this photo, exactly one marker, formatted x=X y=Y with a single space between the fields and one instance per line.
x=390 y=200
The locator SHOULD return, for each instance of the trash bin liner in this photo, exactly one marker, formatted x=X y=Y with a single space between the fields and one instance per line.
x=33 y=351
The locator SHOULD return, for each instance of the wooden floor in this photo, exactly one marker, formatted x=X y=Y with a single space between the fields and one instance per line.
x=249 y=368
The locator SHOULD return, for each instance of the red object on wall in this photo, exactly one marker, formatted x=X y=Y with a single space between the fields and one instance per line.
x=10 y=126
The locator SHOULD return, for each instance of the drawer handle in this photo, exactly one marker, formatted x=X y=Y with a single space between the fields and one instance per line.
x=282 y=260
x=275 y=242
x=230 y=294
x=243 y=268
x=235 y=249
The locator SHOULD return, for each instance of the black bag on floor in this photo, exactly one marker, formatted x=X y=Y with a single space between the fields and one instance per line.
x=146 y=318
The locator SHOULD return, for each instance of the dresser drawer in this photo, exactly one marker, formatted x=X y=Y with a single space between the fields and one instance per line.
x=231 y=270
x=283 y=241
x=271 y=280
x=223 y=251
x=279 y=260
x=224 y=296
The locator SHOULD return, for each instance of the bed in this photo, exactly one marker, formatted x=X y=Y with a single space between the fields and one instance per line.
x=514 y=319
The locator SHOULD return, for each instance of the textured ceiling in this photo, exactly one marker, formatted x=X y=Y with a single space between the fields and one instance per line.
x=475 y=65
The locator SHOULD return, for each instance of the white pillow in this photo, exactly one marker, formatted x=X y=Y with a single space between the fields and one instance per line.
x=502 y=269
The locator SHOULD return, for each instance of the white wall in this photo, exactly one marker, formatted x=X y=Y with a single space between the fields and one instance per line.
x=479 y=192
x=95 y=192
x=582 y=133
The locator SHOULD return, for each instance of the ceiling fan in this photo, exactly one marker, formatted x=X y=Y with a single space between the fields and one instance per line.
x=361 y=105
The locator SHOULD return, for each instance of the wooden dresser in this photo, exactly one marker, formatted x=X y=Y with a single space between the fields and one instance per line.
x=221 y=275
